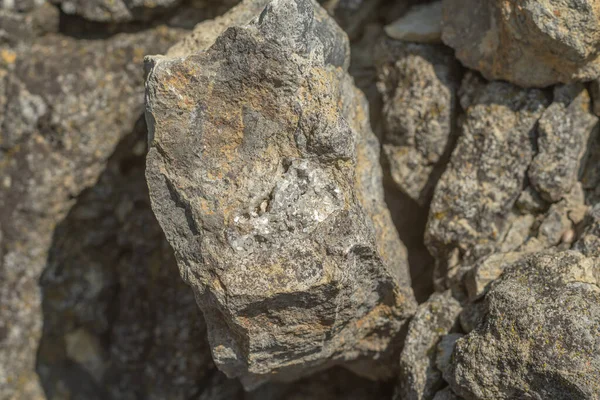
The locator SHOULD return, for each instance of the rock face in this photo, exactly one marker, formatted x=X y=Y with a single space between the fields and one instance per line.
x=266 y=184
x=418 y=84
x=512 y=180
x=539 y=338
x=563 y=133
x=419 y=377
x=486 y=172
x=60 y=119
x=530 y=43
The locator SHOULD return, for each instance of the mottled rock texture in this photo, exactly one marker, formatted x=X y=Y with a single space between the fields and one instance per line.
x=530 y=43
x=512 y=183
x=60 y=119
x=419 y=377
x=485 y=174
x=263 y=174
x=539 y=338
x=418 y=85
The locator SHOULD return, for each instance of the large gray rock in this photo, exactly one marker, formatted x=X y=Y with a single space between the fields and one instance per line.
x=60 y=119
x=539 y=338
x=418 y=84
x=263 y=174
x=419 y=377
x=530 y=43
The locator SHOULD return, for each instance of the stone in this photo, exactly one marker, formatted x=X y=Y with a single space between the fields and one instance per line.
x=421 y=24
x=419 y=377
x=267 y=186
x=485 y=175
x=539 y=337
x=563 y=133
x=589 y=240
x=116 y=10
x=119 y=322
x=528 y=43
x=471 y=315
x=445 y=348
x=487 y=270
x=60 y=119
x=206 y=32
x=418 y=85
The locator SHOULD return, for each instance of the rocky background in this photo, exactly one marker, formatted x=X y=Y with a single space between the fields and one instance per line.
x=357 y=199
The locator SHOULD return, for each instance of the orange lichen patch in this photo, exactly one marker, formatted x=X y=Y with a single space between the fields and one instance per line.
x=8 y=56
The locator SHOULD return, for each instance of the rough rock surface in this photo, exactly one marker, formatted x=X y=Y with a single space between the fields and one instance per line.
x=418 y=84
x=60 y=119
x=563 y=133
x=485 y=174
x=419 y=377
x=530 y=43
x=512 y=181
x=265 y=182
x=539 y=338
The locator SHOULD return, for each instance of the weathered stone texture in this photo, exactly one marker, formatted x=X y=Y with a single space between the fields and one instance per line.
x=419 y=377
x=418 y=84
x=530 y=43
x=257 y=170
x=539 y=337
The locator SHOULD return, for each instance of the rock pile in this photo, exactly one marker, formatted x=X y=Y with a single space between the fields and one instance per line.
x=347 y=200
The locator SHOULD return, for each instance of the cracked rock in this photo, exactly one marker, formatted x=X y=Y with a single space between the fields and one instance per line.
x=530 y=43
x=485 y=175
x=539 y=338
x=419 y=376
x=563 y=133
x=418 y=84
x=263 y=174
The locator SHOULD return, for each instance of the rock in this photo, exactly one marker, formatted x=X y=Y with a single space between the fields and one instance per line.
x=266 y=184
x=421 y=24
x=528 y=43
x=563 y=133
x=539 y=338
x=486 y=271
x=590 y=178
x=486 y=173
x=118 y=320
x=353 y=15
x=471 y=315
x=116 y=10
x=418 y=84
x=61 y=118
x=206 y=32
x=419 y=378
x=445 y=348
x=589 y=241
x=24 y=24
